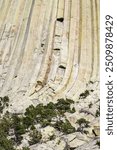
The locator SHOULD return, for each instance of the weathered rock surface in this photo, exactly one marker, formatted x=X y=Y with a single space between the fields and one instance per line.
x=49 y=49
x=89 y=146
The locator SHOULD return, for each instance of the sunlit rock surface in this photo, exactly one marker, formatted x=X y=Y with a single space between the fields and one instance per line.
x=49 y=49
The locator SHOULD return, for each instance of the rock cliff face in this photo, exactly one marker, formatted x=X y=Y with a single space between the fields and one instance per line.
x=49 y=49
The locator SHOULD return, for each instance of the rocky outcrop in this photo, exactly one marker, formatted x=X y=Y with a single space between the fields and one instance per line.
x=49 y=50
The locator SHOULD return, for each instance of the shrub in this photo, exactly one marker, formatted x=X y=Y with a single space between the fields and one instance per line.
x=18 y=125
x=85 y=132
x=97 y=114
x=84 y=95
x=91 y=82
x=65 y=127
x=44 y=114
x=73 y=110
x=28 y=121
x=33 y=115
x=31 y=112
x=90 y=105
x=45 y=122
x=98 y=143
x=51 y=106
x=64 y=106
x=6 y=99
x=52 y=137
x=35 y=137
x=5 y=124
x=83 y=123
x=5 y=144
x=4 y=102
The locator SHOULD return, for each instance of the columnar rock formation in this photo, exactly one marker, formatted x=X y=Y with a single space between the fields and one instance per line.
x=48 y=48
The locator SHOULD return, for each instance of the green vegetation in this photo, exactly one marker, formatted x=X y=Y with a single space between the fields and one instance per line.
x=16 y=125
x=65 y=126
x=84 y=95
x=44 y=114
x=97 y=113
x=52 y=137
x=64 y=106
x=92 y=90
x=90 y=105
x=91 y=82
x=4 y=102
x=83 y=123
x=39 y=114
x=35 y=137
x=98 y=143
x=5 y=143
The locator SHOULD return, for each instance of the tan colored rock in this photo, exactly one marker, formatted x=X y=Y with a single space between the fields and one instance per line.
x=49 y=49
x=47 y=132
